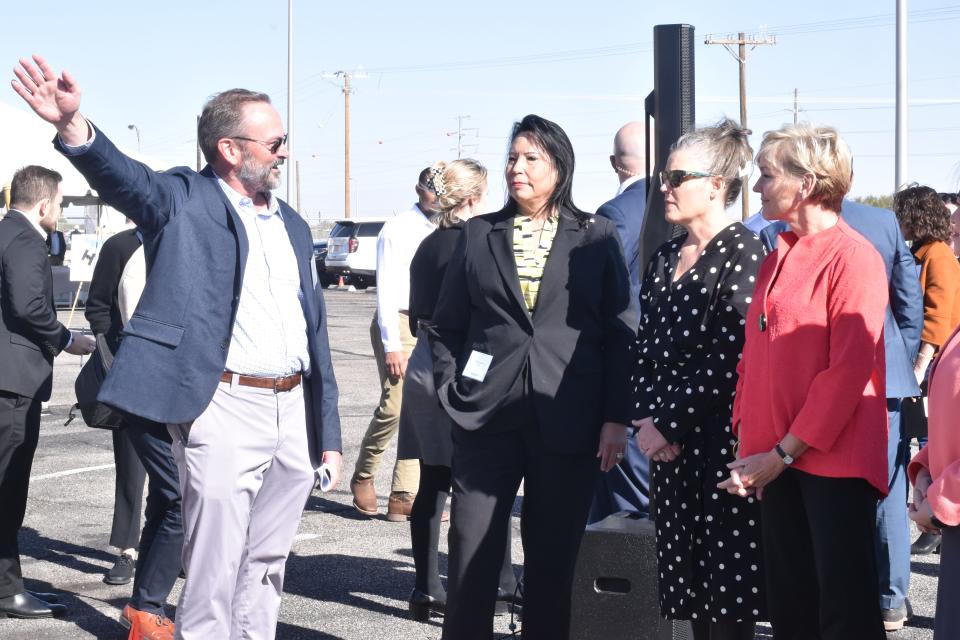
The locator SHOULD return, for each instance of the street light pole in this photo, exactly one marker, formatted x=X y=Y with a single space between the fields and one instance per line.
x=136 y=130
x=900 y=141
x=290 y=137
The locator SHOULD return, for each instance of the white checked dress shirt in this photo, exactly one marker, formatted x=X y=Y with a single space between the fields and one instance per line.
x=396 y=244
x=270 y=331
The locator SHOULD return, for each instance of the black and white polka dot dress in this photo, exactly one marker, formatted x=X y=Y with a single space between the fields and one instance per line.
x=690 y=338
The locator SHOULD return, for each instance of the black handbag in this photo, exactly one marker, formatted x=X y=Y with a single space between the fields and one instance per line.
x=913 y=419
x=87 y=386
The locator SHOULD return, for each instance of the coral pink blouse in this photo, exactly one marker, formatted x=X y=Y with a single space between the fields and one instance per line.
x=813 y=362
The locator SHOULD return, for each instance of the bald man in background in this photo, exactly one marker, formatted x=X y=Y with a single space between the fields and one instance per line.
x=626 y=486
x=627 y=208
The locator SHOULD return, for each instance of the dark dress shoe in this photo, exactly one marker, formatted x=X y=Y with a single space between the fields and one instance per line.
x=46 y=597
x=24 y=605
x=422 y=605
x=122 y=570
x=925 y=544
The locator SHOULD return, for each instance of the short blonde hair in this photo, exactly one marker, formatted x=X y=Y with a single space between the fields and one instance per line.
x=455 y=183
x=799 y=149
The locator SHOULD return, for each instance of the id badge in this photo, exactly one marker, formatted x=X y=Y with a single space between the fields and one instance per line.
x=477 y=365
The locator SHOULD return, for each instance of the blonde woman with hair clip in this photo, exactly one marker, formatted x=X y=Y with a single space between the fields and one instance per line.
x=461 y=193
x=694 y=297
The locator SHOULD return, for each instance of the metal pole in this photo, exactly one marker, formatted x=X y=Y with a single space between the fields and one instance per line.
x=297 y=165
x=346 y=145
x=199 y=163
x=136 y=130
x=900 y=153
x=745 y=192
x=290 y=136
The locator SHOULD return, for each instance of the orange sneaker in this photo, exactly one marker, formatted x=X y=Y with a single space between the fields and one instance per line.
x=144 y=625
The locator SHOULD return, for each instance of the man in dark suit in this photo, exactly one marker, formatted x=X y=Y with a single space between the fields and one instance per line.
x=901 y=334
x=30 y=338
x=627 y=208
x=627 y=486
x=228 y=345
x=57 y=247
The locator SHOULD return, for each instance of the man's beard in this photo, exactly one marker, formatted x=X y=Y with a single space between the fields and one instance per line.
x=258 y=177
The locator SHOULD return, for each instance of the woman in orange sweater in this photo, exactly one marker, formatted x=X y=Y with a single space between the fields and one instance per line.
x=925 y=221
x=810 y=407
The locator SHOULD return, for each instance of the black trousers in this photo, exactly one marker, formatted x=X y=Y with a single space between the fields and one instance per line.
x=819 y=551
x=19 y=433
x=127 y=492
x=161 y=541
x=558 y=489
x=425 y=518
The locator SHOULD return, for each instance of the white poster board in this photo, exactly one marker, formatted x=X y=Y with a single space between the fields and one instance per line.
x=84 y=250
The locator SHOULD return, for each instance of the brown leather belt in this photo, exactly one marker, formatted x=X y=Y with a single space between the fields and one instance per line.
x=277 y=384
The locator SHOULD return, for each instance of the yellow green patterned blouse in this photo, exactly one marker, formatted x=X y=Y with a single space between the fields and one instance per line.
x=530 y=250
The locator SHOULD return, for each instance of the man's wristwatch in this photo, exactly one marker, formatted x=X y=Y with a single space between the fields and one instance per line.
x=786 y=457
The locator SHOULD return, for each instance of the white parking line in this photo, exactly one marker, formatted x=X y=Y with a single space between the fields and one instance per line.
x=70 y=472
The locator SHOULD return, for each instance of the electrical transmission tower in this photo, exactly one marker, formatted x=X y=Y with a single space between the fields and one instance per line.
x=461 y=133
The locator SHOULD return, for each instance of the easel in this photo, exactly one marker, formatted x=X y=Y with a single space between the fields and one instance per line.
x=76 y=298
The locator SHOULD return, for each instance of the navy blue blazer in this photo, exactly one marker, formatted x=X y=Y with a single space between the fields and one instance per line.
x=904 y=320
x=626 y=212
x=175 y=346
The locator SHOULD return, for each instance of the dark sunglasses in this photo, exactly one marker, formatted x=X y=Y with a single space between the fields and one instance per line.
x=677 y=177
x=272 y=145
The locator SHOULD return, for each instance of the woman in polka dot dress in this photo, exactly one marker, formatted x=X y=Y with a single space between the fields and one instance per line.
x=694 y=299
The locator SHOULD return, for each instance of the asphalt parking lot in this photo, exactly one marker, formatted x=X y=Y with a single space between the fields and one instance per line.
x=347 y=578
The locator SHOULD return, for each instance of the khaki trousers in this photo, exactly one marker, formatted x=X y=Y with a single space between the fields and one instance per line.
x=386 y=417
x=245 y=475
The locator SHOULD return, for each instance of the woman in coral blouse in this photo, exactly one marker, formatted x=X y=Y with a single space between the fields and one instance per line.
x=935 y=473
x=810 y=407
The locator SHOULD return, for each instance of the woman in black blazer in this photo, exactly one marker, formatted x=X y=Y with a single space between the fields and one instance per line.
x=531 y=341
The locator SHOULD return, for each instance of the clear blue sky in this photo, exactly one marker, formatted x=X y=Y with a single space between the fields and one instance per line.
x=586 y=65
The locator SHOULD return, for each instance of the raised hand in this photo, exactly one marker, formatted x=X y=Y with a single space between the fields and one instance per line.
x=56 y=100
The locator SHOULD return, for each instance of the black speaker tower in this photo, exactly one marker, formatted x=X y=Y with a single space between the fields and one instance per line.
x=671 y=105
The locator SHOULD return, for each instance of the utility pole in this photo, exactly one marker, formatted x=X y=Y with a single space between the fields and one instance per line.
x=460 y=134
x=796 y=107
x=297 y=166
x=290 y=137
x=741 y=41
x=900 y=151
x=347 y=76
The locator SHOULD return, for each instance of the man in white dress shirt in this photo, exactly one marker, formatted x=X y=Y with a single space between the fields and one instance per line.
x=392 y=344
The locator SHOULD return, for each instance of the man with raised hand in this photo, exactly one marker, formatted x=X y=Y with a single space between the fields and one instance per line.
x=228 y=345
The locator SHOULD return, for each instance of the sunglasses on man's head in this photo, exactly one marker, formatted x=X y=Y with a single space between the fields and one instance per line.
x=272 y=145
x=676 y=177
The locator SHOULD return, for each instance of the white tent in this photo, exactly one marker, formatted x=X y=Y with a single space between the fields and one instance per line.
x=25 y=139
